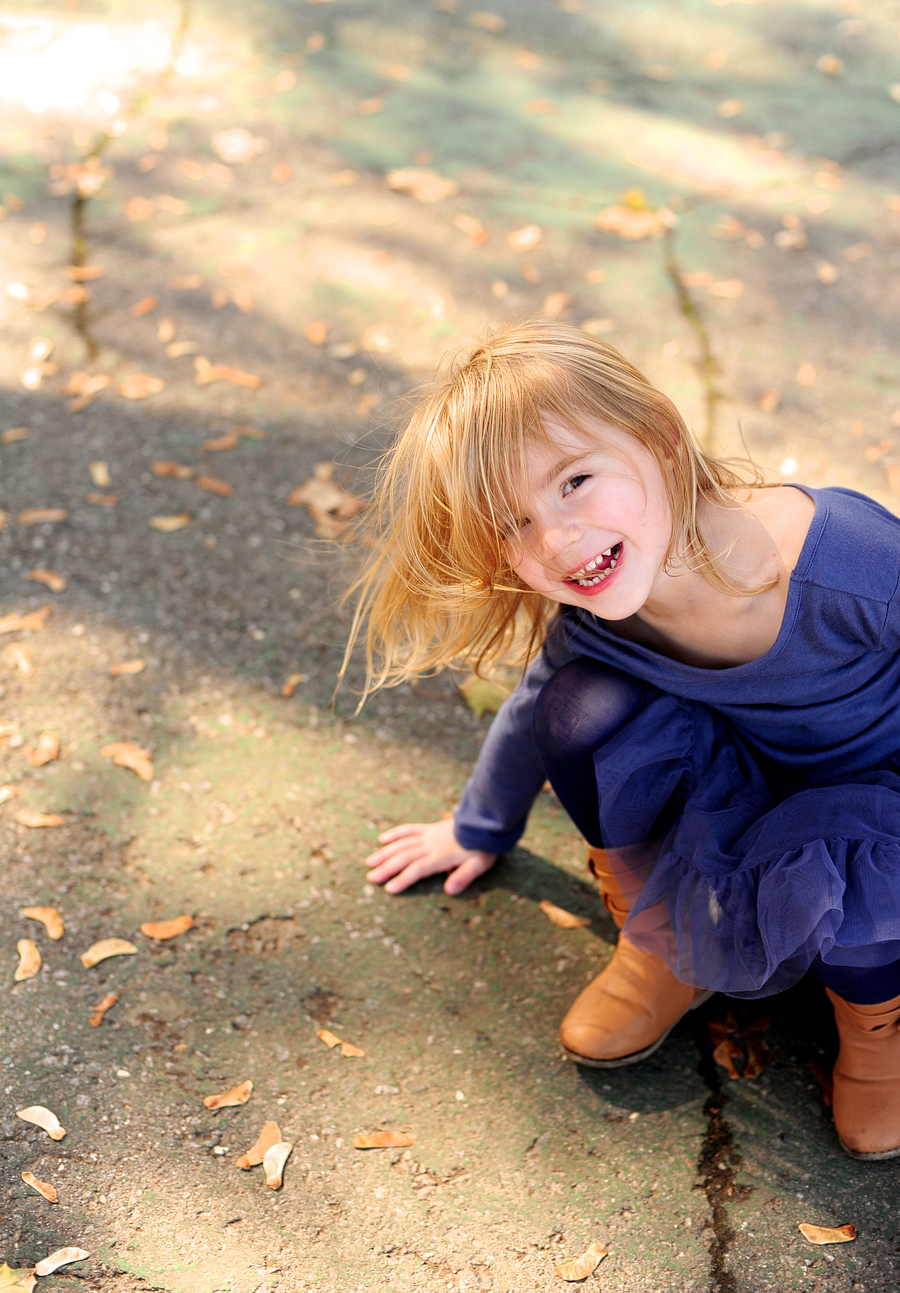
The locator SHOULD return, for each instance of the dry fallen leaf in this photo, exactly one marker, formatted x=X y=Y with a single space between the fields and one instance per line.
x=317 y=331
x=830 y=64
x=62 y=1257
x=370 y=107
x=20 y=655
x=16 y=1281
x=9 y=792
x=34 y=621
x=205 y=372
x=127 y=755
x=228 y=440
x=487 y=21
x=14 y=435
x=41 y=515
x=269 y=1136
x=237 y=1095
x=96 y=1016
x=49 y=918
x=806 y=374
x=144 y=306
x=46 y=750
x=100 y=474
x=727 y=289
x=274 y=1160
x=556 y=304
x=139 y=208
x=29 y=960
x=168 y=524
x=127 y=667
x=330 y=505
x=422 y=184
x=826 y=272
x=290 y=684
x=827 y=1234
x=526 y=239
x=328 y=1038
x=769 y=400
x=382 y=1140
x=51 y=579
x=28 y=817
x=172 y=470
x=106 y=948
x=561 y=918
x=41 y=1186
x=349 y=1051
x=43 y=1118
x=140 y=385
x=635 y=222
x=581 y=1267
x=163 y=929
x=215 y=486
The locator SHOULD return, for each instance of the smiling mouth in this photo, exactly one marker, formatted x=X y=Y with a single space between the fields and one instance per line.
x=596 y=570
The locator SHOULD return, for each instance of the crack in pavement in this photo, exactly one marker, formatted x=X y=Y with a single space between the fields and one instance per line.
x=717 y=1164
x=89 y=161
x=707 y=366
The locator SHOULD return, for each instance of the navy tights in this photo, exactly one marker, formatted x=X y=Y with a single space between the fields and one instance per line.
x=577 y=711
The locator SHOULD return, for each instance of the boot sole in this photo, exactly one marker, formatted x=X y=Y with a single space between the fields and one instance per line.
x=636 y=1056
x=874 y=1157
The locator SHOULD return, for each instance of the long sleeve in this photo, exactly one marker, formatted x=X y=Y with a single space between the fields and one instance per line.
x=508 y=773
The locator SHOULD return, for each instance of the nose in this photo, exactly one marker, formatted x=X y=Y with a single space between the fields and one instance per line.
x=556 y=536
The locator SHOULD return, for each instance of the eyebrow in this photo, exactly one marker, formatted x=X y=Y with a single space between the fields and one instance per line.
x=561 y=466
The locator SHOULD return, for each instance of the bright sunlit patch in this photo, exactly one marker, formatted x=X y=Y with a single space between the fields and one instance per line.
x=48 y=65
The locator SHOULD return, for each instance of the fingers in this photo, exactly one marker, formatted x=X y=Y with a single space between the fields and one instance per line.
x=391 y=866
x=400 y=832
x=414 y=872
x=475 y=865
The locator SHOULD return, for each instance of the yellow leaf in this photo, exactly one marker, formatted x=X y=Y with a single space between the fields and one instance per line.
x=225 y=1099
x=483 y=695
x=827 y=1234
x=16 y=1281
x=422 y=184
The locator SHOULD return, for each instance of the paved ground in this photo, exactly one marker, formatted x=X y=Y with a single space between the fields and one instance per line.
x=772 y=311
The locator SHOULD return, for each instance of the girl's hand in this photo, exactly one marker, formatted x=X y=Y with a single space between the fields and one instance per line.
x=416 y=850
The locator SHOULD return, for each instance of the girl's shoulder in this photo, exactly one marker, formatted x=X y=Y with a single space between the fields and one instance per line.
x=853 y=545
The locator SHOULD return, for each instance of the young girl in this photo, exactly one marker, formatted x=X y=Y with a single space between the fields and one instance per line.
x=713 y=694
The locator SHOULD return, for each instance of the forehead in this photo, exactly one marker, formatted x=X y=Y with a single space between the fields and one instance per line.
x=559 y=443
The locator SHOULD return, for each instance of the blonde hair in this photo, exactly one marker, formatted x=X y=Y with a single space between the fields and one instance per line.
x=436 y=588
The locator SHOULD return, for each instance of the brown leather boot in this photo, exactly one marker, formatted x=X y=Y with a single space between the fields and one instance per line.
x=628 y=1011
x=867 y=1078
x=632 y=1005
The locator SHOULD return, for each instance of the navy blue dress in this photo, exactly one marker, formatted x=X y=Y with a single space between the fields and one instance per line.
x=753 y=812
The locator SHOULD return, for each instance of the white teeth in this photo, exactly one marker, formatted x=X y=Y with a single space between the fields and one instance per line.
x=591 y=565
x=607 y=552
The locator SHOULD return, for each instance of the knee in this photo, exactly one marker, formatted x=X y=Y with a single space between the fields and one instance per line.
x=581 y=707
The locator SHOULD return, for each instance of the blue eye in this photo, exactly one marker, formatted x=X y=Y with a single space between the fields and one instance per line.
x=573 y=483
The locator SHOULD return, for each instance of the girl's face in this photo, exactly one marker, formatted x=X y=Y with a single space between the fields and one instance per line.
x=595 y=521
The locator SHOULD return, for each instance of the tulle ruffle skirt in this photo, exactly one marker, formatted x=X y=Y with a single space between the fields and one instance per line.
x=735 y=877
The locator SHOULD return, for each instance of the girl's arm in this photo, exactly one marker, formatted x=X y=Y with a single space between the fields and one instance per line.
x=495 y=804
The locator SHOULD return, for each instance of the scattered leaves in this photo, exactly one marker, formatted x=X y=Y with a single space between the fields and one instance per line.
x=29 y=960
x=33 y=621
x=49 y=918
x=100 y=474
x=14 y=434
x=769 y=400
x=95 y=1018
x=561 y=918
x=581 y=1267
x=165 y=929
x=830 y=64
x=483 y=695
x=556 y=304
x=730 y=108
x=526 y=238
x=228 y=440
x=827 y=1234
x=471 y=226
x=317 y=332
x=41 y=1186
x=139 y=208
x=330 y=505
x=806 y=374
x=291 y=683
x=349 y=1051
x=205 y=372
x=239 y=1094
x=8 y=792
x=127 y=755
x=422 y=184
x=172 y=470
x=41 y=515
x=43 y=1118
x=634 y=219
x=28 y=817
x=382 y=1140
x=62 y=1257
x=127 y=667
x=269 y=1136
x=328 y=1038
x=743 y=1040
x=274 y=1160
x=487 y=21
x=140 y=385
x=167 y=524
x=106 y=948
x=46 y=750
